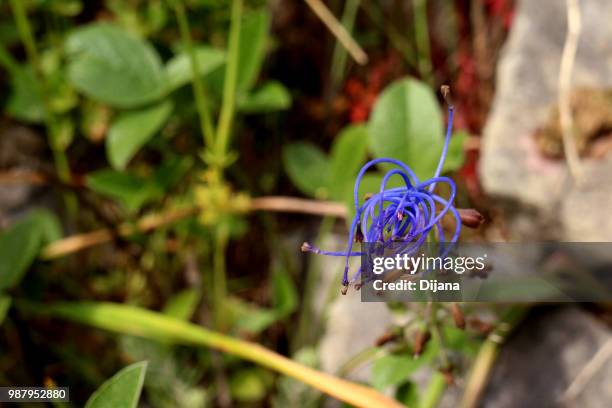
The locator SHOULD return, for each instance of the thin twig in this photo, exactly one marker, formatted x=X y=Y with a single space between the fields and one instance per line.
x=338 y=31
x=565 y=81
x=298 y=205
x=588 y=371
x=150 y=222
x=79 y=242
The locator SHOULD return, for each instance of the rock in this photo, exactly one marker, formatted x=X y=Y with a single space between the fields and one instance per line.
x=541 y=200
x=538 y=364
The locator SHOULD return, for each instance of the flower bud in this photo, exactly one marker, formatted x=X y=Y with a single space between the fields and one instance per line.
x=480 y=326
x=358 y=234
x=470 y=217
x=387 y=337
x=420 y=341
x=458 y=317
x=306 y=247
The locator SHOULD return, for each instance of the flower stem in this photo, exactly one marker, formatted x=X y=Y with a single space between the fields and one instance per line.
x=199 y=92
x=434 y=391
x=230 y=84
x=421 y=36
x=339 y=57
x=219 y=276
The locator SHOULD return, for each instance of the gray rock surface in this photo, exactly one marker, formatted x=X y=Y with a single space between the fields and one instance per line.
x=541 y=200
x=545 y=356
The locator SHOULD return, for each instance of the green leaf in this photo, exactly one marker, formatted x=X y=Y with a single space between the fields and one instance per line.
x=130 y=190
x=133 y=191
x=284 y=293
x=408 y=394
x=109 y=65
x=455 y=156
x=47 y=224
x=307 y=167
x=393 y=370
x=183 y=305
x=131 y=130
x=347 y=156
x=248 y=385
x=19 y=245
x=178 y=69
x=25 y=101
x=271 y=96
x=406 y=124
x=121 y=390
x=253 y=35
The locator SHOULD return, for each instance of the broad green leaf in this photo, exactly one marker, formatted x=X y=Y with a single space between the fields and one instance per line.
x=393 y=370
x=183 y=305
x=253 y=35
x=126 y=319
x=19 y=245
x=5 y=304
x=178 y=69
x=130 y=190
x=406 y=124
x=131 y=130
x=284 y=293
x=460 y=340
x=111 y=66
x=25 y=101
x=271 y=96
x=47 y=224
x=133 y=191
x=456 y=155
x=346 y=158
x=307 y=167
x=121 y=390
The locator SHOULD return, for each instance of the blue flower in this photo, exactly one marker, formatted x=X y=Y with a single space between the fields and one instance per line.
x=404 y=214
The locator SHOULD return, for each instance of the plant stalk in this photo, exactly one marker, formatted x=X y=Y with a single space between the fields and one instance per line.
x=220 y=276
x=228 y=104
x=433 y=393
x=199 y=92
x=421 y=35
